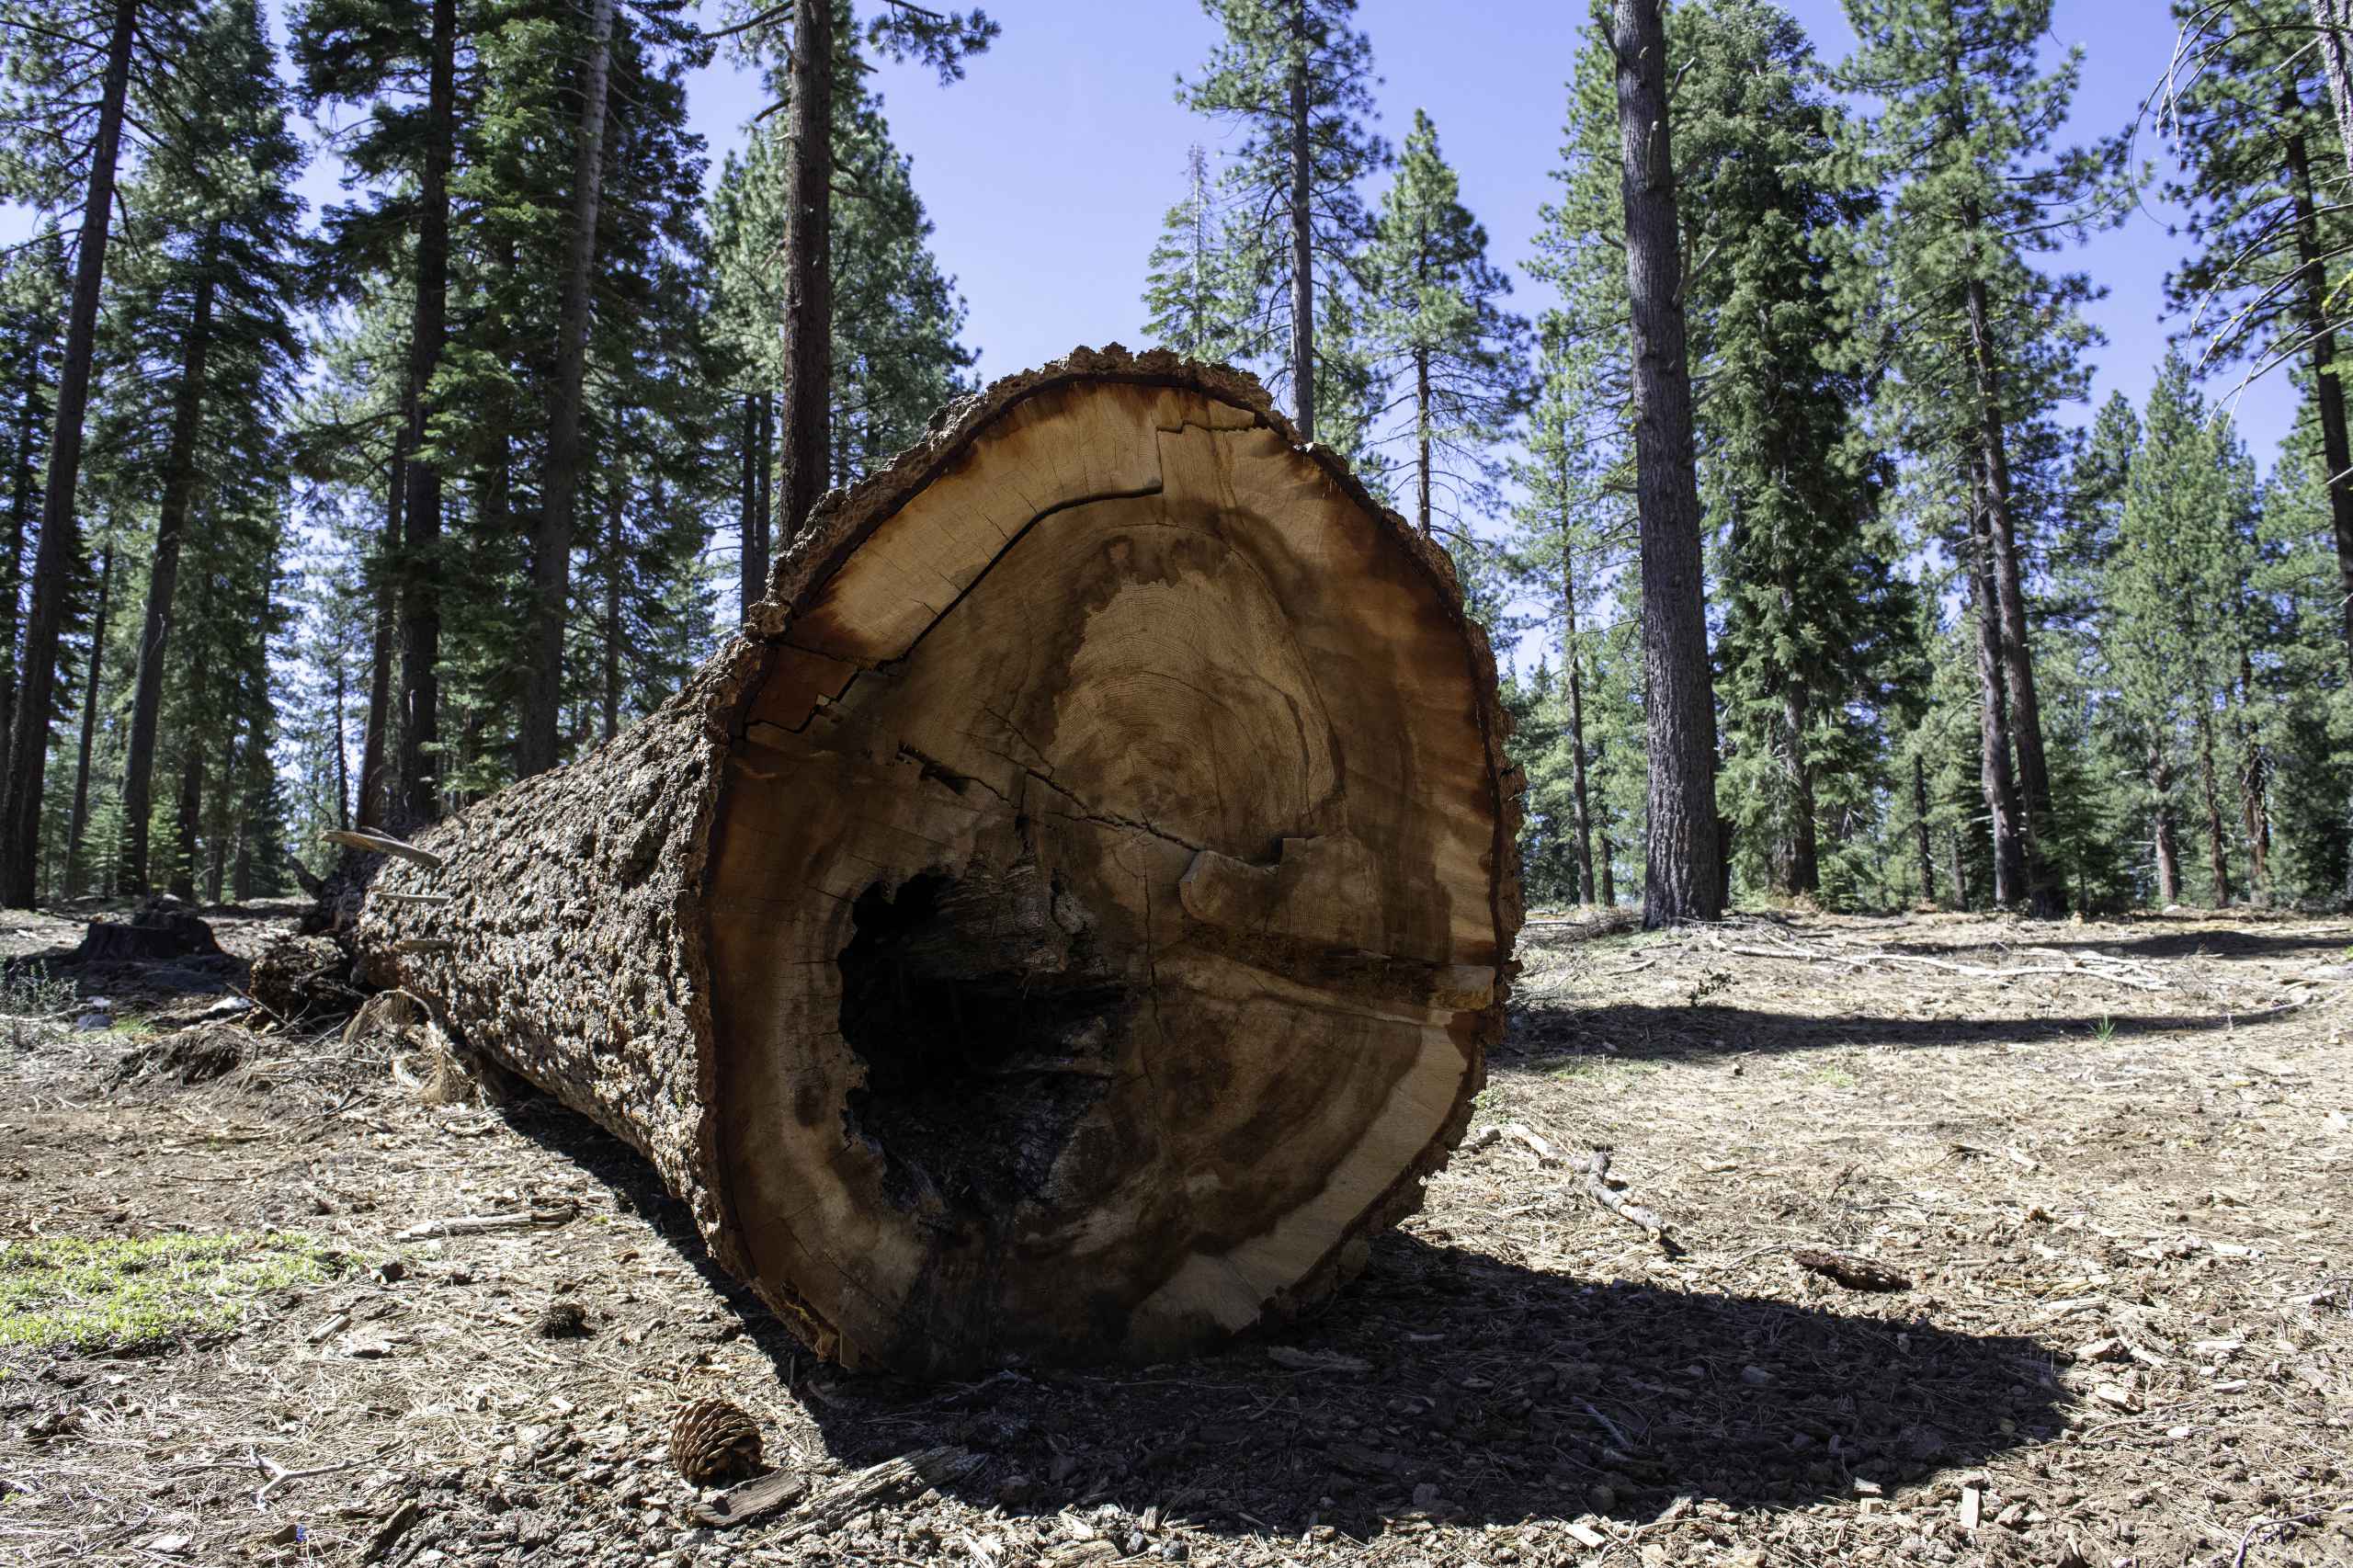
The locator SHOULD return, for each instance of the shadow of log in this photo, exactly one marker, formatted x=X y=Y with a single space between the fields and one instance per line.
x=1446 y=1381
x=1547 y=1035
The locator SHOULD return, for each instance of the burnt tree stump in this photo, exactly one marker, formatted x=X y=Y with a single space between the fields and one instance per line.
x=1064 y=923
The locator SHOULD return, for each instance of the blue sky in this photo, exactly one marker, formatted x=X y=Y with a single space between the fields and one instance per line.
x=1048 y=168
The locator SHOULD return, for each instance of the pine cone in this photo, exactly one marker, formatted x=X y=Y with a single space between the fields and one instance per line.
x=712 y=1441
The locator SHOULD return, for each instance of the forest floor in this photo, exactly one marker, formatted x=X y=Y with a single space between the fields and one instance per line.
x=2114 y=1161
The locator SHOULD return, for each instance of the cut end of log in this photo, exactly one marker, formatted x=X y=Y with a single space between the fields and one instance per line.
x=1082 y=910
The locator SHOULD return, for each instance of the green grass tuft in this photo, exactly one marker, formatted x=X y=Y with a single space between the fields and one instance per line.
x=92 y=1294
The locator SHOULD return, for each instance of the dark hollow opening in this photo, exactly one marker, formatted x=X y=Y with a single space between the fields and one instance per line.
x=987 y=1025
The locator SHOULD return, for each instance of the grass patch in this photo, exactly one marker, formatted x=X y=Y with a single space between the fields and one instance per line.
x=105 y=1293
x=1603 y=1070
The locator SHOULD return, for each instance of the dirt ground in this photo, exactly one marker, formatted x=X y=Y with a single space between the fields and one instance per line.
x=2115 y=1163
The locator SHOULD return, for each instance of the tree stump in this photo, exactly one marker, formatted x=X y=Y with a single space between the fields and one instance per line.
x=1062 y=926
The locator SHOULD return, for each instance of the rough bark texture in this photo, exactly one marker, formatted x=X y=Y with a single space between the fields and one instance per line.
x=809 y=274
x=2218 y=848
x=1066 y=920
x=2167 y=847
x=59 y=557
x=1993 y=774
x=1683 y=878
x=2046 y=898
x=1806 y=851
x=23 y=484
x=2328 y=389
x=2333 y=21
x=1920 y=830
x=551 y=540
x=416 y=783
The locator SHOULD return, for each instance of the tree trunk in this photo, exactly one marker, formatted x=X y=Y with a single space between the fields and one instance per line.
x=191 y=813
x=22 y=487
x=2000 y=785
x=753 y=524
x=91 y=690
x=2254 y=811
x=1805 y=859
x=375 y=788
x=809 y=281
x=1421 y=438
x=2327 y=389
x=342 y=777
x=551 y=540
x=1302 y=231
x=2046 y=898
x=1074 y=966
x=1569 y=657
x=60 y=555
x=1960 y=871
x=2167 y=849
x=417 y=785
x=1683 y=874
x=2333 y=20
x=162 y=581
x=2218 y=847
x=1920 y=830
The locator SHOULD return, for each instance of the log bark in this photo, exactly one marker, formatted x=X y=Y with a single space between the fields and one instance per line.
x=1065 y=922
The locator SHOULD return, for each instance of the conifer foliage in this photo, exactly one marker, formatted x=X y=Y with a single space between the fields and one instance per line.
x=1814 y=573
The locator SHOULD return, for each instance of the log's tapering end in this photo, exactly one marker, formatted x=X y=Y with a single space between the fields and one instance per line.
x=1066 y=923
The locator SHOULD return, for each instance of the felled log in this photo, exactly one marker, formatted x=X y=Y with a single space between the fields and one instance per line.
x=1062 y=926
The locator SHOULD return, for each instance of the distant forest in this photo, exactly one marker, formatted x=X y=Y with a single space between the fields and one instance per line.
x=348 y=517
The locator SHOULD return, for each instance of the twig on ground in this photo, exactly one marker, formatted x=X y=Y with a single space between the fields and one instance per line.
x=475 y=1224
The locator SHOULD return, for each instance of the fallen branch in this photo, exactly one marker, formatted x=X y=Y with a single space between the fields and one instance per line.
x=382 y=843
x=893 y=1481
x=1596 y=1166
x=476 y=1224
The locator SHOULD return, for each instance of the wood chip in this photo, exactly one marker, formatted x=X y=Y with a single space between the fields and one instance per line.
x=1972 y=1506
x=1584 y=1534
x=1844 y=1268
x=755 y=1499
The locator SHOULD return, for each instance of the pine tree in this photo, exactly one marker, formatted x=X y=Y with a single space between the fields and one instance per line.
x=208 y=331
x=33 y=298
x=1814 y=617
x=1190 y=297
x=822 y=58
x=1432 y=295
x=364 y=53
x=1961 y=146
x=2174 y=590
x=895 y=351
x=1296 y=78
x=1683 y=879
x=2246 y=126
x=1569 y=529
x=59 y=143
